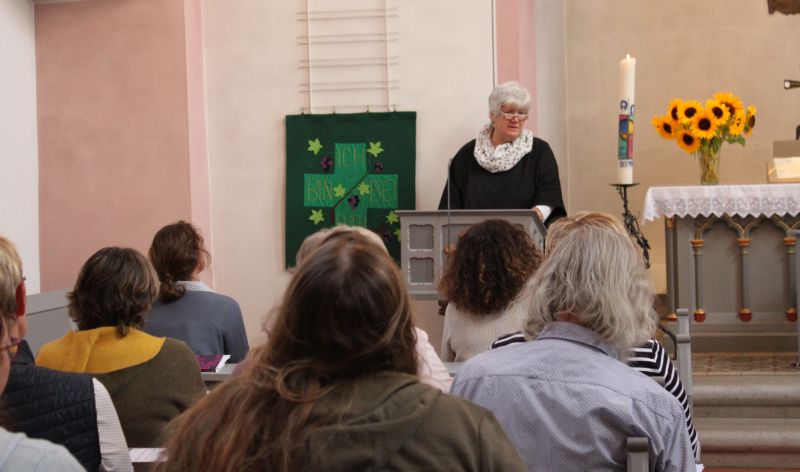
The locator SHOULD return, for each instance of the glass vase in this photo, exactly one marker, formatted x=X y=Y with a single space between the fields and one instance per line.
x=708 y=158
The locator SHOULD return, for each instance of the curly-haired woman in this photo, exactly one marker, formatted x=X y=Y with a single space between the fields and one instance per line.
x=492 y=262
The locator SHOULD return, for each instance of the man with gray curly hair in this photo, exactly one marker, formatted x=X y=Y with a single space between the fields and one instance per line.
x=566 y=400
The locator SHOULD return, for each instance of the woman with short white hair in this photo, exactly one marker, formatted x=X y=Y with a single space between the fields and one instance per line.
x=505 y=166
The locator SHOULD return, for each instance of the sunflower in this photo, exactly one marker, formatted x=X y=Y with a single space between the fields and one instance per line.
x=720 y=111
x=750 y=122
x=687 y=141
x=730 y=100
x=688 y=109
x=737 y=124
x=704 y=124
x=673 y=109
x=664 y=126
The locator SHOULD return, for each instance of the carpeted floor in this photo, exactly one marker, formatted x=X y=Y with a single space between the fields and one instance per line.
x=728 y=469
x=753 y=363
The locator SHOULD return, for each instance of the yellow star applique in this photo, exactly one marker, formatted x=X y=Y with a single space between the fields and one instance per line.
x=363 y=188
x=392 y=218
x=339 y=191
x=316 y=217
x=397 y=233
x=314 y=146
x=375 y=148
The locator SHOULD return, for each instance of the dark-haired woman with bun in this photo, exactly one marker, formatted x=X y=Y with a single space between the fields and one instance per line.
x=186 y=309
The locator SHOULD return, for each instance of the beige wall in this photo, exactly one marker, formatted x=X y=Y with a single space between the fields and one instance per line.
x=19 y=179
x=551 y=80
x=684 y=49
x=252 y=75
x=94 y=136
x=114 y=124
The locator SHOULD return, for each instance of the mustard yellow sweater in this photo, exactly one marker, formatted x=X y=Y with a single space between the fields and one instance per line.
x=151 y=380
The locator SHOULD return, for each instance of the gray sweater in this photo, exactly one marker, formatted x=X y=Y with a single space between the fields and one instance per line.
x=209 y=323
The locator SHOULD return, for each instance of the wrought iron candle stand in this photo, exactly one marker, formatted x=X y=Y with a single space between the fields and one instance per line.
x=632 y=226
x=632 y=223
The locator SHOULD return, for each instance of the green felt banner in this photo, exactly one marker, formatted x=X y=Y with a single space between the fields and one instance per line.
x=353 y=169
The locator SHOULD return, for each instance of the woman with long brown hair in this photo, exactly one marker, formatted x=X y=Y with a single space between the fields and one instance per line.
x=430 y=368
x=335 y=386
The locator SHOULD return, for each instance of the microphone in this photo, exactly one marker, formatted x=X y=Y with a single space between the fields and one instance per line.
x=447 y=243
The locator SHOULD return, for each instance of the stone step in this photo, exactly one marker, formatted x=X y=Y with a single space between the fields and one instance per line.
x=746 y=396
x=748 y=420
x=749 y=442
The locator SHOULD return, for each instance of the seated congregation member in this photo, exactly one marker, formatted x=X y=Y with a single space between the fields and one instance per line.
x=186 y=309
x=565 y=399
x=431 y=370
x=17 y=451
x=335 y=387
x=150 y=379
x=73 y=410
x=651 y=359
x=492 y=263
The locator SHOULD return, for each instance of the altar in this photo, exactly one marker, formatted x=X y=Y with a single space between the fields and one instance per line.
x=731 y=252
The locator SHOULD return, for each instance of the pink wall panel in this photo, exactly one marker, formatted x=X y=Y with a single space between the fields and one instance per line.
x=113 y=128
x=516 y=46
x=199 y=180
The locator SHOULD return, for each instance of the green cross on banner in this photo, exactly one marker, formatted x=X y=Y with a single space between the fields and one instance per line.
x=353 y=169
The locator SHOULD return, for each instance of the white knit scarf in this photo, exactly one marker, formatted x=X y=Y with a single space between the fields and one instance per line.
x=503 y=157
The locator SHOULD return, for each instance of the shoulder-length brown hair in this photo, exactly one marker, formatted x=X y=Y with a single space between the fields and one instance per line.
x=345 y=315
x=177 y=250
x=492 y=262
x=115 y=287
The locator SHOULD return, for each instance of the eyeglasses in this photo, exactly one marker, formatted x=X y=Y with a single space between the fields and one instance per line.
x=520 y=115
x=12 y=347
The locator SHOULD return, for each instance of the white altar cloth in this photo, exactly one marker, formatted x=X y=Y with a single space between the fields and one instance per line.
x=707 y=200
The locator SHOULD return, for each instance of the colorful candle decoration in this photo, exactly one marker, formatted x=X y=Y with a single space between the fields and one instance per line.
x=627 y=79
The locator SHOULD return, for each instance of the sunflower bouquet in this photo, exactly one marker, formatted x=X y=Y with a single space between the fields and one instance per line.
x=701 y=129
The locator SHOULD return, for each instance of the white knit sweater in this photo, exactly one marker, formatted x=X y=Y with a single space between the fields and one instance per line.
x=466 y=335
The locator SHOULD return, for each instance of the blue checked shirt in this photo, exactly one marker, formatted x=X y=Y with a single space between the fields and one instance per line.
x=568 y=404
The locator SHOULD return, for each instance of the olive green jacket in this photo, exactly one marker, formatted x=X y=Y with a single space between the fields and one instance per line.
x=391 y=421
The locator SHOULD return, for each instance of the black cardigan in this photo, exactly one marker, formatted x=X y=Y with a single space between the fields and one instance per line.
x=53 y=405
x=533 y=181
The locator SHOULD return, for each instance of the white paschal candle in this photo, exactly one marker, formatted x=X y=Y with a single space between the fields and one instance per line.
x=627 y=79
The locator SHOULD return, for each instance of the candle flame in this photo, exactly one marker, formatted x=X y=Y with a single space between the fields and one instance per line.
x=627 y=56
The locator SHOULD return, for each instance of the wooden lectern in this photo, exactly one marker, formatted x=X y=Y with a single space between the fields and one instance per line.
x=426 y=234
